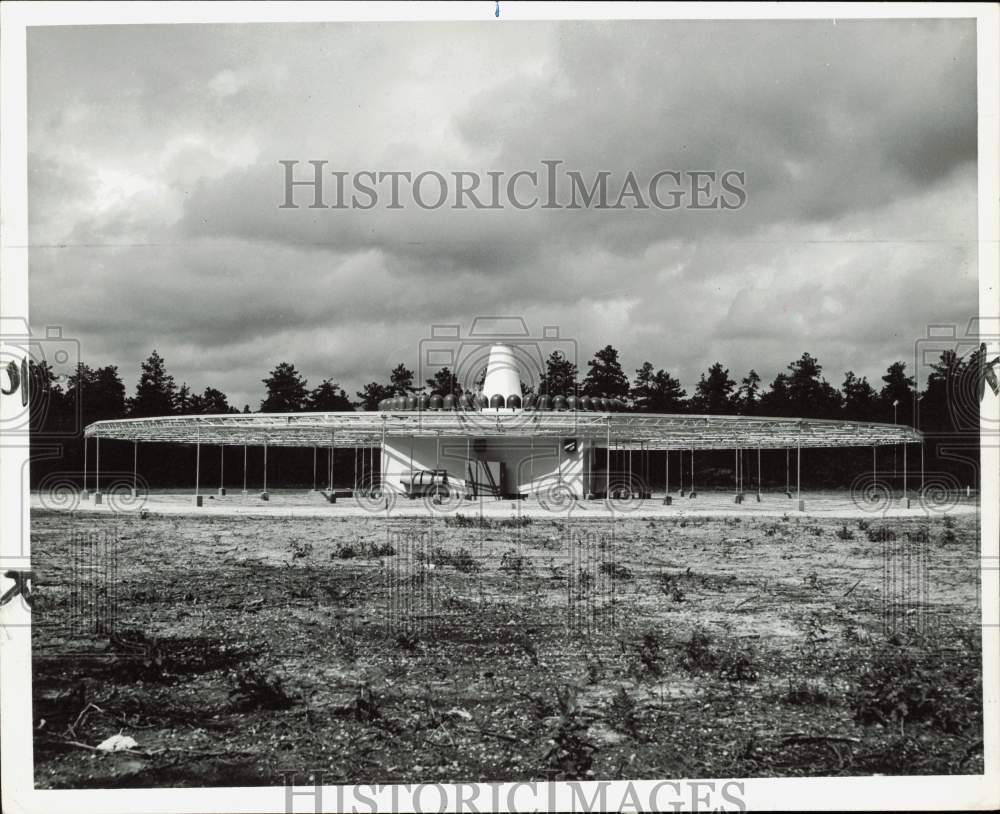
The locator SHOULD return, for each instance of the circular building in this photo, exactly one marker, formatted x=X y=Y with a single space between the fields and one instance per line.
x=498 y=443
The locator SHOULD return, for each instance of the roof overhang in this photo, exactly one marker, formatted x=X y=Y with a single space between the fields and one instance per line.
x=623 y=430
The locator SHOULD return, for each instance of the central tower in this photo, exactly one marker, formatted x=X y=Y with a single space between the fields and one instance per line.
x=502 y=385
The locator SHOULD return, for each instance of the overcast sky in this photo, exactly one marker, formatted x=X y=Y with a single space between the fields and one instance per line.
x=154 y=192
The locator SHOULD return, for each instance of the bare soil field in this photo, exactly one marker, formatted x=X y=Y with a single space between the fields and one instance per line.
x=459 y=648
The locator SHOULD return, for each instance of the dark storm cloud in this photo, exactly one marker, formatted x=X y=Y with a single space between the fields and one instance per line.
x=154 y=161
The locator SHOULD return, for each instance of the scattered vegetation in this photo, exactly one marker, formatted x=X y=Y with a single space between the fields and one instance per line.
x=386 y=665
x=571 y=754
x=460 y=520
x=905 y=682
x=514 y=562
x=624 y=714
x=257 y=688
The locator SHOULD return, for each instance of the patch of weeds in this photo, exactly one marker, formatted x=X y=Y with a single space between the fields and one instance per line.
x=615 y=570
x=864 y=525
x=408 y=640
x=595 y=670
x=921 y=535
x=347 y=646
x=513 y=562
x=571 y=754
x=736 y=662
x=805 y=693
x=365 y=706
x=343 y=551
x=907 y=682
x=381 y=550
x=844 y=533
x=880 y=534
x=255 y=688
x=624 y=714
x=698 y=654
x=948 y=536
x=459 y=520
x=300 y=549
x=670 y=585
x=650 y=658
x=463 y=561
x=513 y=522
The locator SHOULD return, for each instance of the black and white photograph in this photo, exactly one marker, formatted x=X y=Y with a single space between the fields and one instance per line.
x=499 y=406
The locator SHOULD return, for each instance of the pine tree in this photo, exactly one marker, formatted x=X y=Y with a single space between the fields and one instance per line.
x=810 y=395
x=286 y=391
x=214 y=402
x=401 y=381
x=99 y=393
x=657 y=392
x=183 y=400
x=329 y=397
x=155 y=394
x=776 y=401
x=372 y=393
x=667 y=394
x=860 y=399
x=714 y=393
x=641 y=393
x=898 y=388
x=749 y=393
x=48 y=406
x=605 y=376
x=444 y=383
x=560 y=375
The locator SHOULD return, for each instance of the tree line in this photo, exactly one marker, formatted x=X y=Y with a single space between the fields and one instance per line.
x=946 y=406
x=800 y=390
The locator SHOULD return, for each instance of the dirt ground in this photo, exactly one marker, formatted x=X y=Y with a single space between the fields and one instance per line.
x=234 y=648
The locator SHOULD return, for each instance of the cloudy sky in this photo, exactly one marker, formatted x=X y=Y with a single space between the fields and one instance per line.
x=155 y=186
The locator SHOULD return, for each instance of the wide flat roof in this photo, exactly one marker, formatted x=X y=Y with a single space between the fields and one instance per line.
x=622 y=430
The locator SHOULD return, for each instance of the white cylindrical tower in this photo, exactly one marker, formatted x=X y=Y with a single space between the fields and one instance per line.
x=503 y=379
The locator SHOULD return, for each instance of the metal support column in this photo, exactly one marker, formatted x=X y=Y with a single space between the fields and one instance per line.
x=222 y=470
x=736 y=474
x=680 y=472
x=758 y=473
x=921 y=470
x=607 y=468
x=97 y=471
x=197 y=474
x=692 y=493
x=86 y=494
x=798 y=474
x=666 y=477
x=135 y=467
x=264 y=495
x=906 y=499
